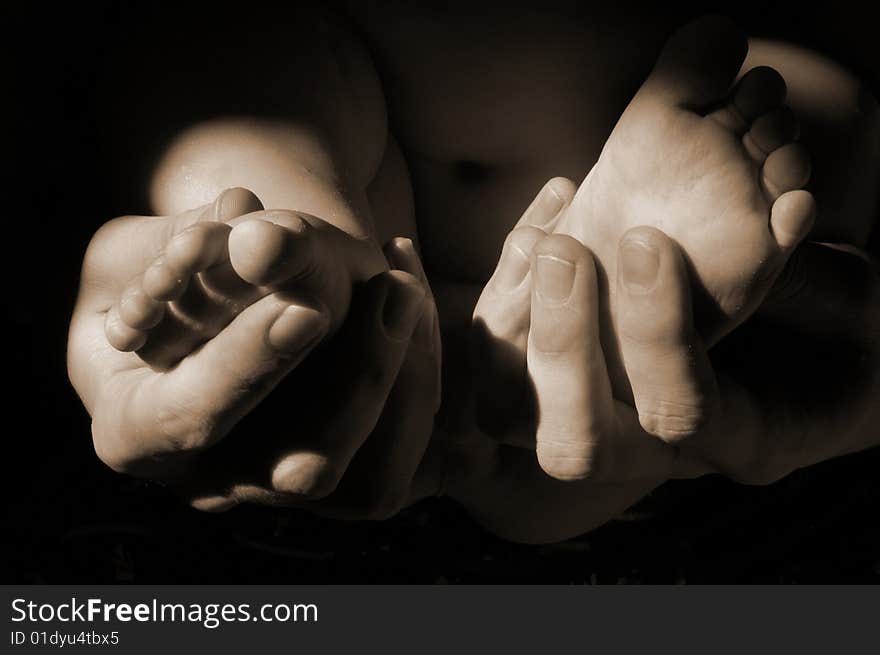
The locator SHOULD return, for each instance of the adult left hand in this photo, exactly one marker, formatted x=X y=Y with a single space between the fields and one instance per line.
x=773 y=409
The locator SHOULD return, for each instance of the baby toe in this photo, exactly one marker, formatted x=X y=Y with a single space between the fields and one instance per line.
x=264 y=253
x=163 y=282
x=197 y=248
x=120 y=335
x=792 y=217
x=786 y=169
x=698 y=63
x=758 y=92
x=770 y=132
x=137 y=309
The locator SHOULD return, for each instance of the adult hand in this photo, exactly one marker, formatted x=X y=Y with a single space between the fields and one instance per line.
x=541 y=381
x=798 y=384
x=774 y=409
x=536 y=348
x=390 y=339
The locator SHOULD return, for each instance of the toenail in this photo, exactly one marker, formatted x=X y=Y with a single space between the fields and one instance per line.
x=555 y=278
x=235 y=202
x=639 y=264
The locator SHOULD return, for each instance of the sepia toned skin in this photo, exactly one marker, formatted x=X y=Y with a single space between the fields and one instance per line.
x=337 y=188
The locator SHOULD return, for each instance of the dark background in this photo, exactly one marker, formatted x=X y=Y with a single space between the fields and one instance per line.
x=69 y=519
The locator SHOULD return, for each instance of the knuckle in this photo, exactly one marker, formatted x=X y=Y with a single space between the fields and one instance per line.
x=666 y=331
x=525 y=237
x=499 y=320
x=561 y=245
x=568 y=456
x=674 y=421
x=555 y=341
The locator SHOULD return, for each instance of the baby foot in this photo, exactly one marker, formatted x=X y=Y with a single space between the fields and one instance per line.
x=210 y=272
x=717 y=171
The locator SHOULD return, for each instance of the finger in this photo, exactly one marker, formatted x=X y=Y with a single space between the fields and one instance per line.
x=581 y=432
x=565 y=360
x=497 y=343
x=402 y=255
x=499 y=331
x=194 y=405
x=377 y=484
x=378 y=481
x=545 y=210
x=379 y=328
x=120 y=334
x=665 y=359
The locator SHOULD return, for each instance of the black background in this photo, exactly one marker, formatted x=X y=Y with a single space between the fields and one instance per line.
x=69 y=519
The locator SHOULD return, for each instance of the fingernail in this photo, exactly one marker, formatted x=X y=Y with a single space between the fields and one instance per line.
x=403 y=307
x=297 y=329
x=512 y=268
x=544 y=208
x=555 y=278
x=639 y=264
x=235 y=202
